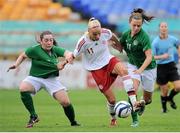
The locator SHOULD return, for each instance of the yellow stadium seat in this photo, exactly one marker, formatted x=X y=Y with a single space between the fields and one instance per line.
x=33 y=3
x=1 y=3
x=40 y=3
x=17 y=12
x=39 y=14
x=64 y=13
x=53 y=10
x=6 y=10
x=27 y=14
x=45 y=3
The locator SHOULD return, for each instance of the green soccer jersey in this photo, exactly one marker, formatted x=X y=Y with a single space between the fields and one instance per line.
x=135 y=47
x=44 y=65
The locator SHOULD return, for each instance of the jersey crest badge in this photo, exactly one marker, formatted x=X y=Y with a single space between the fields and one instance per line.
x=135 y=42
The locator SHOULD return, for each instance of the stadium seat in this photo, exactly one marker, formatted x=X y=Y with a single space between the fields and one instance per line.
x=15 y=36
x=122 y=10
x=33 y=10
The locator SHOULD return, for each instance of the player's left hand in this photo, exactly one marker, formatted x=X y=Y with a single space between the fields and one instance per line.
x=11 y=67
x=61 y=65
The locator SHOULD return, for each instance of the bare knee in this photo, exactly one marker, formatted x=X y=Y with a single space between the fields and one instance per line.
x=24 y=86
x=177 y=86
x=65 y=103
x=62 y=97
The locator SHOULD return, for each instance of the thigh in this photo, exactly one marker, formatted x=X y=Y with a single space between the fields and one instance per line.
x=103 y=78
x=120 y=69
x=131 y=69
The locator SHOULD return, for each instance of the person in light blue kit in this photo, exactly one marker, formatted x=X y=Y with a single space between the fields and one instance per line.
x=164 y=47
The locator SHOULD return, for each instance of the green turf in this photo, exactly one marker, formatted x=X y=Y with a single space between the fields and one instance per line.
x=91 y=112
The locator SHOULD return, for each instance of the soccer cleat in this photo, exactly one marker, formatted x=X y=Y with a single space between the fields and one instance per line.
x=32 y=121
x=172 y=104
x=139 y=107
x=113 y=122
x=164 y=110
x=135 y=124
x=75 y=124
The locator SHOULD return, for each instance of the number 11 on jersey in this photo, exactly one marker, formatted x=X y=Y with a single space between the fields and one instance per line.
x=90 y=50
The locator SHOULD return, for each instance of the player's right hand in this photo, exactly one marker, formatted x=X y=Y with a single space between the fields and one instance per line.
x=69 y=57
x=166 y=55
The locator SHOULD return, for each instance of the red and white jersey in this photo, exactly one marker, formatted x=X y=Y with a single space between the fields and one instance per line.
x=96 y=54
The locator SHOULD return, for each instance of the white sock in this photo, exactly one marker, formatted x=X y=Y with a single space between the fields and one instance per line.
x=111 y=110
x=133 y=99
x=128 y=83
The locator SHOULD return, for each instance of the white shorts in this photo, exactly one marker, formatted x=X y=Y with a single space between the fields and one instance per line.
x=51 y=85
x=147 y=77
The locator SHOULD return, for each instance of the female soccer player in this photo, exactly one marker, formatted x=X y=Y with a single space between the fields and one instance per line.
x=164 y=48
x=44 y=73
x=104 y=67
x=141 y=64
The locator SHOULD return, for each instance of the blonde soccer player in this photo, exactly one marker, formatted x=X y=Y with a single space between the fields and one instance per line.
x=104 y=67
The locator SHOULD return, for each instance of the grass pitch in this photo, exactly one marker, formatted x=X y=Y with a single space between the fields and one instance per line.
x=91 y=113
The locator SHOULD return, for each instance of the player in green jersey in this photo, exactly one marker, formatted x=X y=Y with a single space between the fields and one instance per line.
x=44 y=73
x=141 y=63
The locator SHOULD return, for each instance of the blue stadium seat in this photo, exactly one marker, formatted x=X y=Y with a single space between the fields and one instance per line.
x=123 y=8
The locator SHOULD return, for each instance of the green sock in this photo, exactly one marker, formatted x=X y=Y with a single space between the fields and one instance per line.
x=28 y=102
x=69 y=111
x=134 y=115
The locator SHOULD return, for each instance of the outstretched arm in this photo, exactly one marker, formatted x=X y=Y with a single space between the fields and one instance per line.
x=19 y=60
x=115 y=43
